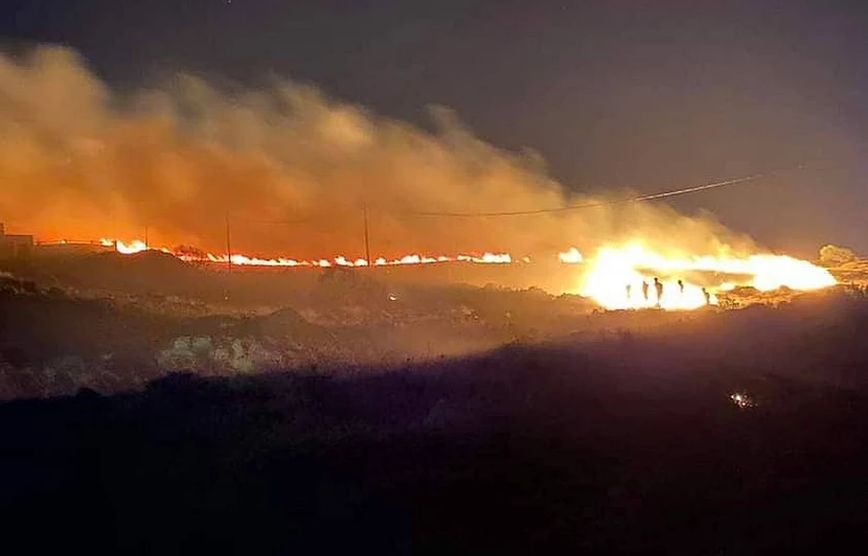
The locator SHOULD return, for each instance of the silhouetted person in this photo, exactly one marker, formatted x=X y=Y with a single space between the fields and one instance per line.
x=707 y=296
x=629 y=288
x=658 y=285
x=645 y=290
x=681 y=286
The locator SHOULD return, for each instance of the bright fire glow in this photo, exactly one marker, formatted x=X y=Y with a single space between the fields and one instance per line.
x=571 y=256
x=623 y=277
x=137 y=246
x=742 y=400
x=615 y=277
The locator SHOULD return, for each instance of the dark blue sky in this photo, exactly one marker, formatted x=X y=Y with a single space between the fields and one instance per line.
x=650 y=94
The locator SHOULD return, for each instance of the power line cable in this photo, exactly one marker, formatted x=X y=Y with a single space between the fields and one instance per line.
x=530 y=212
x=636 y=199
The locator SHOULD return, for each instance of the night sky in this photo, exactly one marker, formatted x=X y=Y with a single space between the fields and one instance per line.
x=648 y=94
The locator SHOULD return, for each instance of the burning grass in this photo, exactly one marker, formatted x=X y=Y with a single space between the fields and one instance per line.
x=628 y=276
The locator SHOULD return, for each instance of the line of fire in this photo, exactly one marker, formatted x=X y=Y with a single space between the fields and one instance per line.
x=615 y=277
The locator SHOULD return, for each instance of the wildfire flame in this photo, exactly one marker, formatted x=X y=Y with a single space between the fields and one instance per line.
x=616 y=277
x=137 y=246
x=571 y=256
x=623 y=277
x=134 y=246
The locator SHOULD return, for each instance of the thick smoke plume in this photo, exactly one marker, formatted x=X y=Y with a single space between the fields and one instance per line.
x=81 y=161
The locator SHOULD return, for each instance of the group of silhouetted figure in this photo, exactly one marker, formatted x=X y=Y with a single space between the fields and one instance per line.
x=658 y=286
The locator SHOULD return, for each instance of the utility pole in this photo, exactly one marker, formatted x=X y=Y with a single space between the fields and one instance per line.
x=147 y=245
x=228 y=246
x=367 y=242
x=228 y=259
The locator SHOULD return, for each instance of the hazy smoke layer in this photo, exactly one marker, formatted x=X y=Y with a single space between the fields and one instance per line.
x=78 y=160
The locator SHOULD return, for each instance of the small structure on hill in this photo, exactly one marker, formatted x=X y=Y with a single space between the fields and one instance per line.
x=14 y=245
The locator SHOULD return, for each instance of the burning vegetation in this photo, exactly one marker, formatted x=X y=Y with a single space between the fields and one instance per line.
x=635 y=277
x=626 y=277
x=304 y=176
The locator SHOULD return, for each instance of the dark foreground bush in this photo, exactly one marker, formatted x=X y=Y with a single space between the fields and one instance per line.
x=526 y=450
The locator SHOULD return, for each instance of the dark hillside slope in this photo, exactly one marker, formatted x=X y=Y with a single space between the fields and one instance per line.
x=524 y=450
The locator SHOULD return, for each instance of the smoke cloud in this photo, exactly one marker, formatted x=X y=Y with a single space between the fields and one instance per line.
x=81 y=161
